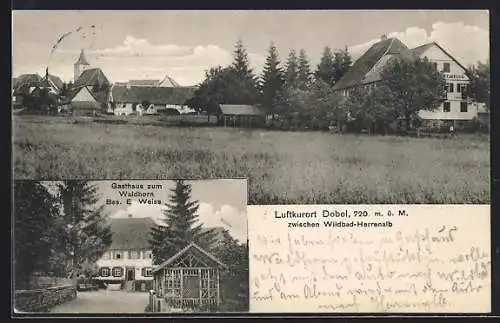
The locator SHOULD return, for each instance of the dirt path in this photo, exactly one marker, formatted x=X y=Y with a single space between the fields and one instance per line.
x=105 y=301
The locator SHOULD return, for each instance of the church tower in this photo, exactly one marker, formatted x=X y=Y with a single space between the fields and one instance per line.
x=81 y=65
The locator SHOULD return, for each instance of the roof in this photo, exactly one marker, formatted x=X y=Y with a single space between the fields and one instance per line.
x=131 y=233
x=168 y=82
x=194 y=247
x=91 y=77
x=240 y=109
x=369 y=66
x=53 y=82
x=100 y=96
x=30 y=80
x=82 y=60
x=419 y=50
x=151 y=94
x=144 y=82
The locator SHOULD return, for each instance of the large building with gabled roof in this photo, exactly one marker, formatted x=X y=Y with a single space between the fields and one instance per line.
x=128 y=262
x=366 y=72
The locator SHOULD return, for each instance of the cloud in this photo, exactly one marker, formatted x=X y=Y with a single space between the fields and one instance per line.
x=226 y=216
x=468 y=44
x=137 y=58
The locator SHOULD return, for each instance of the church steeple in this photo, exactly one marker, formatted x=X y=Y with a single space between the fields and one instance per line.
x=82 y=60
x=81 y=65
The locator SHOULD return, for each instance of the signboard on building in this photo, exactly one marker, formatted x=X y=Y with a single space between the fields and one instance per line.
x=458 y=77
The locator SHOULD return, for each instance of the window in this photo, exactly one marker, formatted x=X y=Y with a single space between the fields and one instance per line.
x=148 y=255
x=117 y=255
x=133 y=254
x=446 y=107
x=147 y=272
x=450 y=87
x=459 y=87
x=117 y=271
x=104 y=271
x=463 y=106
x=435 y=65
x=446 y=67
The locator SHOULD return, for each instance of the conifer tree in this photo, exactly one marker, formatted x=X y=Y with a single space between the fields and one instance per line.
x=83 y=231
x=342 y=62
x=292 y=70
x=180 y=226
x=325 y=69
x=34 y=210
x=272 y=79
x=304 y=72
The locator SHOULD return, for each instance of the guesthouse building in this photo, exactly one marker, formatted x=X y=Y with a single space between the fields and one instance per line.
x=366 y=73
x=128 y=264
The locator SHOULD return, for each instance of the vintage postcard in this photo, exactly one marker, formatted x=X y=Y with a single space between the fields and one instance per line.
x=359 y=139
x=157 y=246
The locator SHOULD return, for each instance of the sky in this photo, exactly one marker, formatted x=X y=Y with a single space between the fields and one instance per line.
x=183 y=44
x=222 y=202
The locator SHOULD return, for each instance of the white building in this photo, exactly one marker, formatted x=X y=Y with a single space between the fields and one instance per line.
x=367 y=71
x=80 y=66
x=457 y=107
x=128 y=261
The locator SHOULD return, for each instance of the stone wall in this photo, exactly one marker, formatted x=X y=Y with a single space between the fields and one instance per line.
x=42 y=300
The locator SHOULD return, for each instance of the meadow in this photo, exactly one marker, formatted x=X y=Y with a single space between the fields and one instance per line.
x=282 y=167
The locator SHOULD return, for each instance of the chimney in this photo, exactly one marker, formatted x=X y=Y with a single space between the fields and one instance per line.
x=384 y=37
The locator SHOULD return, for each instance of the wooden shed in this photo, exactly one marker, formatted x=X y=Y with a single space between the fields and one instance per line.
x=242 y=115
x=188 y=281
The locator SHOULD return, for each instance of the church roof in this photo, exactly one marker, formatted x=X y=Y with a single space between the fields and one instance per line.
x=82 y=60
x=91 y=77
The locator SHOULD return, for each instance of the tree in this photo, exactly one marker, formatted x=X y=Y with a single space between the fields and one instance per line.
x=372 y=108
x=83 y=232
x=325 y=69
x=292 y=70
x=341 y=63
x=272 y=79
x=479 y=88
x=180 y=226
x=242 y=82
x=34 y=211
x=413 y=86
x=234 y=281
x=304 y=71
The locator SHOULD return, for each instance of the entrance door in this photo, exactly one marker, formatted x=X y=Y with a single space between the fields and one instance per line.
x=130 y=274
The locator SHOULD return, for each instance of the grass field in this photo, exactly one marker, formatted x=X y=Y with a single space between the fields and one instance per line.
x=282 y=167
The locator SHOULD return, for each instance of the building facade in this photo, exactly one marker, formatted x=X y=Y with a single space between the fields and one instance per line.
x=128 y=263
x=456 y=106
x=366 y=73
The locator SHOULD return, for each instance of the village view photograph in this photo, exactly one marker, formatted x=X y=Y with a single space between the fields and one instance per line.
x=135 y=246
x=350 y=107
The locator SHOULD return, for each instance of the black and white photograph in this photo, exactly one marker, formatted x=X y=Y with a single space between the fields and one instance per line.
x=312 y=106
x=138 y=246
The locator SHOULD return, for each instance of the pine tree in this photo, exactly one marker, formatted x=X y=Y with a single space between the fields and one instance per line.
x=325 y=69
x=304 y=72
x=241 y=64
x=292 y=70
x=83 y=230
x=342 y=62
x=242 y=82
x=180 y=226
x=34 y=211
x=272 y=79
